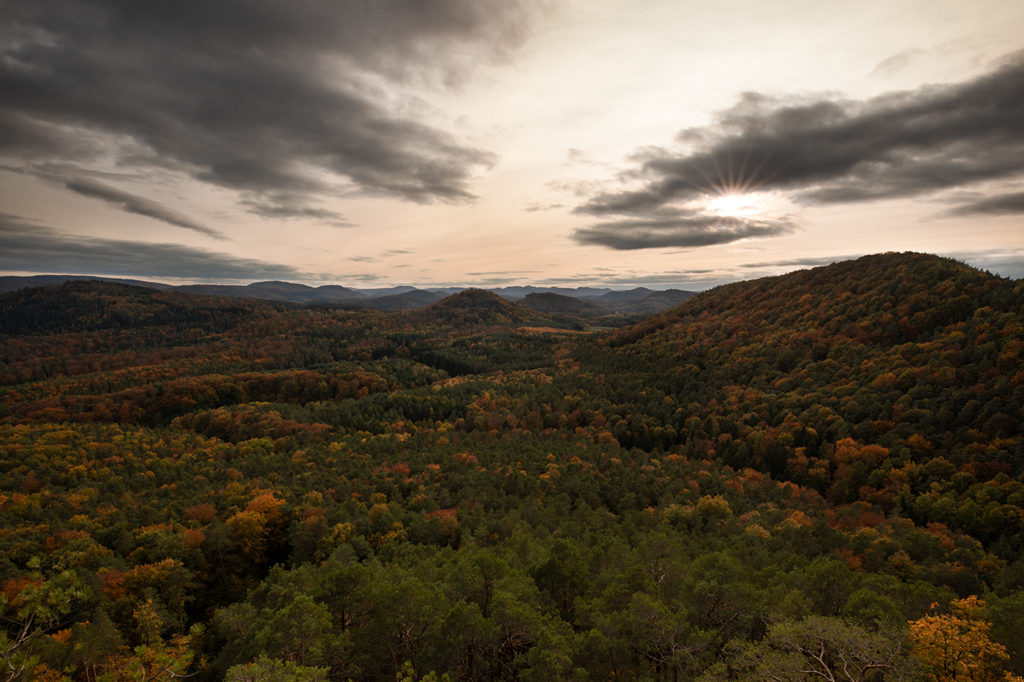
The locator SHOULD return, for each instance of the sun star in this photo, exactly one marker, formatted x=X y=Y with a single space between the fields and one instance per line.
x=736 y=205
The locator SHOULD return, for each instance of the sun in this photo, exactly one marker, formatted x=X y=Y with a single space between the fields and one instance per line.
x=736 y=205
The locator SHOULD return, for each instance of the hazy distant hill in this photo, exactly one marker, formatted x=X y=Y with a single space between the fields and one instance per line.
x=408 y=300
x=277 y=291
x=633 y=302
x=517 y=293
x=480 y=307
x=80 y=305
x=640 y=301
x=386 y=291
x=558 y=304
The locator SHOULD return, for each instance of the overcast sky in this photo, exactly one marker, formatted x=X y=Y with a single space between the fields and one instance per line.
x=477 y=142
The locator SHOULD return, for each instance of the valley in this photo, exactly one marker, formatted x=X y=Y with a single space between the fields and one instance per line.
x=789 y=477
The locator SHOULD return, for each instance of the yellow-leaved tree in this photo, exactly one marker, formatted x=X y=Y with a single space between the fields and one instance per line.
x=955 y=647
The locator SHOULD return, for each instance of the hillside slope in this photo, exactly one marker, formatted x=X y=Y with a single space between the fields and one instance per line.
x=640 y=301
x=236 y=489
x=478 y=307
x=86 y=305
x=918 y=355
x=891 y=297
x=557 y=304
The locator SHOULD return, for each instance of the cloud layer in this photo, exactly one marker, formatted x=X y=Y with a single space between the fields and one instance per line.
x=26 y=246
x=826 y=151
x=680 y=230
x=1002 y=204
x=265 y=97
x=136 y=204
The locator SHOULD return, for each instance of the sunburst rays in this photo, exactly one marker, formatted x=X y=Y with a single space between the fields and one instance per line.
x=729 y=182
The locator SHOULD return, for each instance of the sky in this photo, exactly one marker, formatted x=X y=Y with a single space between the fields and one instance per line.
x=658 y=143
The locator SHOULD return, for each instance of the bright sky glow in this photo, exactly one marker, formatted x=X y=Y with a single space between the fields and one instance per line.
x=735 y=205
x=476 y=142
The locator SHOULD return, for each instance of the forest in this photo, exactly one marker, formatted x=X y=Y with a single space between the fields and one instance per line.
x=813 y=476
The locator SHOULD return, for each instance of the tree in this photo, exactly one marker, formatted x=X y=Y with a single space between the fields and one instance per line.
x=819 y=648
x=956 y=646
x=266 y=669
x=39 y=607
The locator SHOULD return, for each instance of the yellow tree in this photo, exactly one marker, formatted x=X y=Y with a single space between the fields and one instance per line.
x=956 y=647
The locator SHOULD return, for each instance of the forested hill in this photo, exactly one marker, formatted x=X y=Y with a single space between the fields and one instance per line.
x=557 y=303
x=822 y=471
x=88 y=305
x=876 y=379
x=886 y=298
x=634 y=303
x=478 y=307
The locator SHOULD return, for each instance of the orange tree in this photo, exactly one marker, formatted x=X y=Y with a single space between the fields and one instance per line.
x=956 y=646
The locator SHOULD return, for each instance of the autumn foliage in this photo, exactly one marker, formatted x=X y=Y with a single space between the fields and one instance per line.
x=771 y=480
x=956 y=646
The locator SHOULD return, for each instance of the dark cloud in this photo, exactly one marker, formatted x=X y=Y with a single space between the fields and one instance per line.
x=683 y=229
x=136 y=204
x=831 y=151
x=28 y=246
x=281 y=206
x=1003 y=204
x=364 y=278
x=259 y=96
x=533 y=208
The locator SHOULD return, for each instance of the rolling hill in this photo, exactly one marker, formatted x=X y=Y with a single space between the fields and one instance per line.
x=474 y=307
x=882 y=349
x=631 y=302
x=781 y=473
x=557 y=304
x=88 y=305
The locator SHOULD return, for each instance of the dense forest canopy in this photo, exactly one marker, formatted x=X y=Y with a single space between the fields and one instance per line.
x=813 y=475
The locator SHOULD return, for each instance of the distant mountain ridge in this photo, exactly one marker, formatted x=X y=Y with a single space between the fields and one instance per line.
x=480 y=307
x=276 y=291
x=552 y=303
x=83 y=305
x=80 y=305
x=591 y=301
